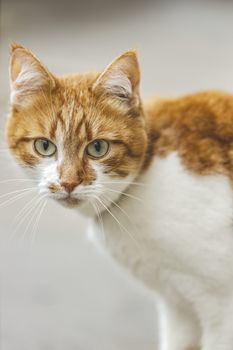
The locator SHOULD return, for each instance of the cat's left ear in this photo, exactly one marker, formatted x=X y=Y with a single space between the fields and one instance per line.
x=27 y=75
x=121 y=78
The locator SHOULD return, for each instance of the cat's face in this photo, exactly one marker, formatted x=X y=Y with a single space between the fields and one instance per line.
x=83 y=137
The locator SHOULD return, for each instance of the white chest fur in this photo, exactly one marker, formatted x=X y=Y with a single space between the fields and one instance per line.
x=179 y=226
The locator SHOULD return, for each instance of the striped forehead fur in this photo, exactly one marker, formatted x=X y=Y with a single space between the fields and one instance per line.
x=77 y=110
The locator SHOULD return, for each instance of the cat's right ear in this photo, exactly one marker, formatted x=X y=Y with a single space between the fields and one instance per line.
x=27 y=75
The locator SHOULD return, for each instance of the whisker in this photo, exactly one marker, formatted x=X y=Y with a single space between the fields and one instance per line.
x=23 y=213
x=124 y=194
x=36 y=207
x=36 y=224
x=93 y=187
x=17 y=180
x=121 y=226
x=89 y=192
x=14 y=199
x=100 y=219
x=17 y=191
x=123 y=211
x=98 y=188
x=124 y=182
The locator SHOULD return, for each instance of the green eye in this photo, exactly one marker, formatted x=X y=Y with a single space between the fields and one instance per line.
x=45 y=147
x=97 y=148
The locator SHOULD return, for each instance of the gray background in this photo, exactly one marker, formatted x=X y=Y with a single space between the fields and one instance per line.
x=60 y=292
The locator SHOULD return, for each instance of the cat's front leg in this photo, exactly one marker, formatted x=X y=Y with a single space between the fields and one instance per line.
x=178 y=329
x=218 y=338
x=217 y=324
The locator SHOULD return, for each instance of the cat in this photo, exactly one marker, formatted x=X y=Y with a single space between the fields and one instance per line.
x=154 y=177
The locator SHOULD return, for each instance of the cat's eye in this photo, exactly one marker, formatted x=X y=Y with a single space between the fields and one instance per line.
x=98 y=148
x=44 y=147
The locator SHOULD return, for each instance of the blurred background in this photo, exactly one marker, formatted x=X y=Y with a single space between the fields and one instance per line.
x=57 y=291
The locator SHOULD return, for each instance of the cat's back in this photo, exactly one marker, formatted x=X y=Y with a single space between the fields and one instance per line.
x=198 y=126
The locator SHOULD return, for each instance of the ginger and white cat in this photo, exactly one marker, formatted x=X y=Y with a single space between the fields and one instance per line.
x=155 y=177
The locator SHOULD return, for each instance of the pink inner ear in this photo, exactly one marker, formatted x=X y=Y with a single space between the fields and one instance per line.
x=27 y=82
x=122 y=76
x=118 y=84
x=29 y=77
x=27 y=74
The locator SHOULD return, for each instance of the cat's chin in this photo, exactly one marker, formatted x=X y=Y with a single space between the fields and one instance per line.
x=84 y=207
x=70 y=202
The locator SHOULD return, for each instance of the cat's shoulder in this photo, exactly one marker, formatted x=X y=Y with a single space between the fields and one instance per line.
x=198 y=126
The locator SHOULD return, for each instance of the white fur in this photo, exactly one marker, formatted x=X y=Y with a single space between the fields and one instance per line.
x=179 y=242
x=171 y=229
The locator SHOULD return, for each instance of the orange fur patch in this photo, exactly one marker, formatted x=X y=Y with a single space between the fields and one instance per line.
x=199 y=127
x=78 y=109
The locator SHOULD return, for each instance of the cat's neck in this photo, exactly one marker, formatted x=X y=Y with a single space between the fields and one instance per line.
x=152 y=134
x=95 y=209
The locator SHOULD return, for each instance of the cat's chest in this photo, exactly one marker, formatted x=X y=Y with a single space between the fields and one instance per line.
x=168 y=222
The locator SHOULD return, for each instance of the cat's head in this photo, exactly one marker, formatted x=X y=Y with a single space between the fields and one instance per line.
x=82 y=136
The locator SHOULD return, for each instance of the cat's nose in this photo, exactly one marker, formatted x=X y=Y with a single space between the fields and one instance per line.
x=69 y=186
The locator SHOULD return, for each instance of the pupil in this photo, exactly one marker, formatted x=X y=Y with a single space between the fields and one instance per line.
x=45 y=145
x=98 y=146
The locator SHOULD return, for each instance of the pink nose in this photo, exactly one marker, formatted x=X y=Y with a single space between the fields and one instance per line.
x=69 y=186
